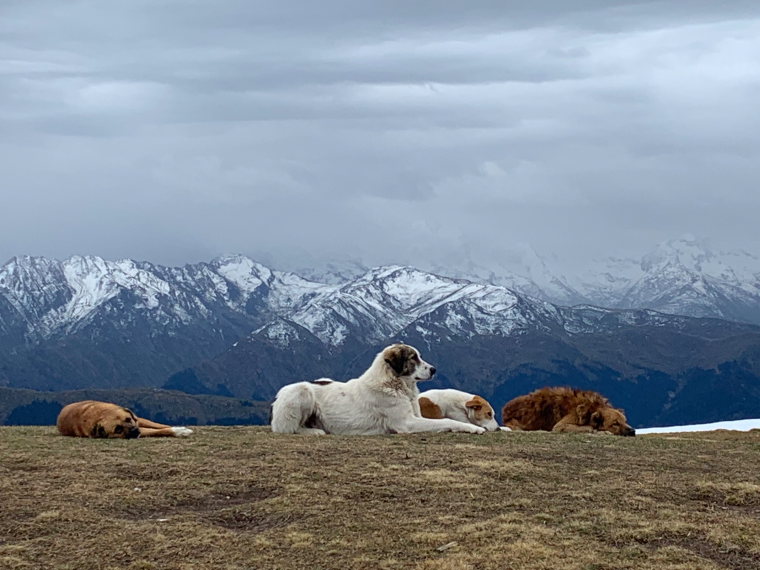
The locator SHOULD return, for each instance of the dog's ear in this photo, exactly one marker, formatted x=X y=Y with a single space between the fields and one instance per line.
x=474 y=405
x=130 y=412
x=597 y=419
x=584 y=414
x=396 y=358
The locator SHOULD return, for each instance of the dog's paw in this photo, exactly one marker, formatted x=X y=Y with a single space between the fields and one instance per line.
x=600 y=432
x=311 y=431
x=181 y=431
x=505 y=428
x=477 y=429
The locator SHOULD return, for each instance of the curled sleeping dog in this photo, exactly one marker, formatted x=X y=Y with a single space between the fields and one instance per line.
x=458 y=405
x=90 y=418
x=565 y=409
x=382 y=400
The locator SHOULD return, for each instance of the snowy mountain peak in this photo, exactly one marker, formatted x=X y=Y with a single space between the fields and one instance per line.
x=688 y=252
x=244 y=272
x=385 y=272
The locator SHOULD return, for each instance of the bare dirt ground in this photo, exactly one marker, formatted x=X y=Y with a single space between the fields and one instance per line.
x=243 y=498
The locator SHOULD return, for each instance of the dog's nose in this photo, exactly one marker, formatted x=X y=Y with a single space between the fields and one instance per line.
x=432 y=370
x=631 y=432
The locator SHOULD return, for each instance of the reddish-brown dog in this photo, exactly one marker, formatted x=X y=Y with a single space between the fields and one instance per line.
x=90 y=418
x=565 y=409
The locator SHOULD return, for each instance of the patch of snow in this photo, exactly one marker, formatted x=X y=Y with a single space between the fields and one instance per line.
x=736 y=425
x=279 y=332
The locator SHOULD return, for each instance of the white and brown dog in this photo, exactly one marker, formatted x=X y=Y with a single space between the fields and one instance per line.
x=458 y=405
x=382 y=400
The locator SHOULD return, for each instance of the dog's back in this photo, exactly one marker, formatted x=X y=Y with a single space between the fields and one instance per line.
x=72 y=419
x=539 y=410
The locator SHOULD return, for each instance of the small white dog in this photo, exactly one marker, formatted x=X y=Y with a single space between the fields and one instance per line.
x=382 y=400
x=458 y=405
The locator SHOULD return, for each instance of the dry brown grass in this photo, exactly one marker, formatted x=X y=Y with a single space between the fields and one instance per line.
x=243 y=498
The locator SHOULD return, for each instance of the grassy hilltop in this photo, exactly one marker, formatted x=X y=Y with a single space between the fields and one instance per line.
x=243 y=498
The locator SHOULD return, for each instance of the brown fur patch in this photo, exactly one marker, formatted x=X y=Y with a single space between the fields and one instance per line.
x=430 y=409
x=544 y=408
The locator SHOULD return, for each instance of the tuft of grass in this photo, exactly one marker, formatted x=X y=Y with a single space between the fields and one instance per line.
x=243 y=498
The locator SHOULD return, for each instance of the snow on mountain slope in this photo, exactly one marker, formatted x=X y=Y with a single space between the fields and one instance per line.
x=680 y=276
x=46 y=297
x=57 y=297
x=329 y=272
x=383 y=301
x=520 y=268
x=685 y=277
x=386 y=300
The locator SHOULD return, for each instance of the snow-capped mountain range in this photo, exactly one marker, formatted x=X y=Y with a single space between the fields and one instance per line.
x=54 y=298
x=42 y=298
x=682 y=276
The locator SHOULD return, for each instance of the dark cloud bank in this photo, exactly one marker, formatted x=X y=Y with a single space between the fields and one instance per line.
x=385 y=131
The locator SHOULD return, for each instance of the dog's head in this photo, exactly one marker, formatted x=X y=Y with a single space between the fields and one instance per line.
x=480 y=413
x=405 y=362
x=610 y=420
x=116 y=423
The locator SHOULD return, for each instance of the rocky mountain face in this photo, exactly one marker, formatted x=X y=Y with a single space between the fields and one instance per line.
x=233 y=327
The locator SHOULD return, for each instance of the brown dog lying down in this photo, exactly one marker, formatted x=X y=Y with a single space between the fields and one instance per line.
x=103 y=419
x=565 y=409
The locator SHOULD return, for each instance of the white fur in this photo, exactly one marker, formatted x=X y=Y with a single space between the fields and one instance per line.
x=453 y=405
x=377 y=402
x=180 y=431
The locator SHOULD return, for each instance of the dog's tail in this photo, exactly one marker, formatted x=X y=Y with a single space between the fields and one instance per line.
x=292 y=408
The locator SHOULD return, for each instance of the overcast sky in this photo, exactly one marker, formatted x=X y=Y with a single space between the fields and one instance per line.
x=385 y=131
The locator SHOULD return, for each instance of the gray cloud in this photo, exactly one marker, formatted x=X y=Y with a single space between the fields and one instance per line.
x=387 y=131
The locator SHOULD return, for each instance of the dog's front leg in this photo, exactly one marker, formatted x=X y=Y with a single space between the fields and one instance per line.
x=568 y=425
x=417 y=425
x=165 y=432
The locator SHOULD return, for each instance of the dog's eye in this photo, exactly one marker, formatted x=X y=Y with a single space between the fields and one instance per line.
x=118 y=429
x=490 y=414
